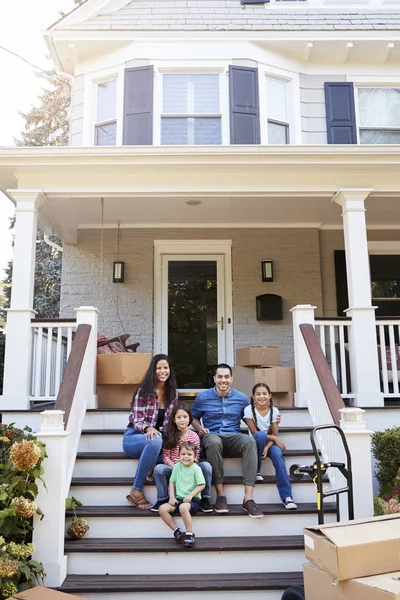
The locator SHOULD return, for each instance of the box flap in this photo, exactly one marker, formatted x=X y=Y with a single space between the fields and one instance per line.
x=348 y=533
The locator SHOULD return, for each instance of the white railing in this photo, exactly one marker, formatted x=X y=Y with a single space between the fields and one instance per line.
x=51 y=346
x=334 y=336
x=388 y=335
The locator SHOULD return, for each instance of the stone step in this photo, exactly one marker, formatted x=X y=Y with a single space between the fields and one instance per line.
x=213 y=555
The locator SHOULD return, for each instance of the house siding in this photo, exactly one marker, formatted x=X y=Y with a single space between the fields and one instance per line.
x=76 y=115
x=297 y=281
x=312 y=107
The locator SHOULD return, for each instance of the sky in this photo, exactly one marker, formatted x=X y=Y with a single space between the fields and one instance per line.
x=21 y=24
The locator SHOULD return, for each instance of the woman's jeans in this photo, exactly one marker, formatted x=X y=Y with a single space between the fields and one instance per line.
x=148 y=452
x=275 y=454
x=162 y=473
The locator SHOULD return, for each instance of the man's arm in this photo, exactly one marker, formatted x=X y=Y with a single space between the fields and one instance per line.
x=198 y=413
x=199 y=428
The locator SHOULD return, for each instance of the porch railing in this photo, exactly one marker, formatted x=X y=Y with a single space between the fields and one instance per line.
x=388 y=334
x=51 y=347
x=334 y=337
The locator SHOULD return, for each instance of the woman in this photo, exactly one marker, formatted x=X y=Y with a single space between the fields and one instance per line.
x=151 y=409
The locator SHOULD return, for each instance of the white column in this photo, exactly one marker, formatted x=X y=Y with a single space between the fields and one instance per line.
x=17 y=361
x=87 y=379
x=363 y=347
x=48 y=534
x=358 y=438
x=302 y=313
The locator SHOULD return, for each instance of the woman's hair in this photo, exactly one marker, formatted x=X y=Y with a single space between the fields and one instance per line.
x=149 y=382
x=188 y=446
x=172 y=433
x=253 y=404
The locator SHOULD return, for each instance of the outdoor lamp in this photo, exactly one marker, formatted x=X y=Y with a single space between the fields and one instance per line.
x=118 y=271
x=267 y=272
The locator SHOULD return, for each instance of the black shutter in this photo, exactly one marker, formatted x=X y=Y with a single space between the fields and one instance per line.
x=244 y=105
x=340 y=113
x=138 y=107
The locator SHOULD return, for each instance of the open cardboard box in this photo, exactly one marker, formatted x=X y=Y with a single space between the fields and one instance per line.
x=256 y=356
x=42 y=593
x=122 y=367
x=320 y=584
x=352 y=549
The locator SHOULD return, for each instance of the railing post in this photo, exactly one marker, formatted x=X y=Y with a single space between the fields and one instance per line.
x=48 y=534
x=302 y=313
x=89 y=315
x=358 y=439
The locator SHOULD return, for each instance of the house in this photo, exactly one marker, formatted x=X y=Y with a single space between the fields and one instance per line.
x=208 y=137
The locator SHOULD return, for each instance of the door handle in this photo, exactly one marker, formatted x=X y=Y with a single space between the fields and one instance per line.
x=221 y=322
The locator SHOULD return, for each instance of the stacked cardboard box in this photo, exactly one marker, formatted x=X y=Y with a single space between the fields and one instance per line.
x=118 y=377
x=353 y=560
x=260 y=364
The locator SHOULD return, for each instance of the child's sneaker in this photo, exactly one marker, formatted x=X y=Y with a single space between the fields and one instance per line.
x=179 y=535
x=259 y=477
x=289 y=503
x=189 y=540
x=156 y=506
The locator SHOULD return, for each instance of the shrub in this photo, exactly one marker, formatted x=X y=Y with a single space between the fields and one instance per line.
x=386 y=449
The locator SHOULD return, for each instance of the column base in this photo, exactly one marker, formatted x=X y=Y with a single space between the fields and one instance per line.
x=368 y=399
x=301 y=399
x=55 y=572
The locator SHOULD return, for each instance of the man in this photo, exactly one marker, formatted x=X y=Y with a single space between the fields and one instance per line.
x=221 y=409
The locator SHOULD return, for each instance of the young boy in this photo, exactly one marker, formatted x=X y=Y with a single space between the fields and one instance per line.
x=185 y=485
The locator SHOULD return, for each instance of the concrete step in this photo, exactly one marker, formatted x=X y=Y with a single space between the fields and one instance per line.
x=100 y=491
x=129 y=522
x=118 y=464
x=213 y=555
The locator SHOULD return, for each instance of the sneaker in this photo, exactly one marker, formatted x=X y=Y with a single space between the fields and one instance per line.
x=156 y=506
x=189 y=540
x=179 y=535
x=252 y=509
x=221 y=505
x=205 y=505
x=259 y=477
x=289 y=503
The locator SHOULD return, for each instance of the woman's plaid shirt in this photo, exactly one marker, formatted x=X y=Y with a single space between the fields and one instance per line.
x=145 y=411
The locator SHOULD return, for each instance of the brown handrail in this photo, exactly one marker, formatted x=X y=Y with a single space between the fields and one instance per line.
x=58 y=320
x=330 y=390
x=68 y=385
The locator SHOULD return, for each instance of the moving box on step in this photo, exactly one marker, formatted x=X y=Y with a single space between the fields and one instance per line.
x=279 y=379
x=352 y=549
x=116 y=396
x=257 y=356
x=41 y=593
x=319 y=585
x=122 y=367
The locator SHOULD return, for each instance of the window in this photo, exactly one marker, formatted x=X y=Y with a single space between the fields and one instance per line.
x=379 y=115
x=191 y=110
x=277 y=113
x=106 y=117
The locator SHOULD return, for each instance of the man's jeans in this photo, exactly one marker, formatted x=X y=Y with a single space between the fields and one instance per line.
x=148 y=452
x=162 y=473
x=275 y=454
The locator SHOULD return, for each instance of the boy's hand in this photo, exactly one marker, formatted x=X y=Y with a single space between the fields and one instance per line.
x=188 y=498
x=172 y=501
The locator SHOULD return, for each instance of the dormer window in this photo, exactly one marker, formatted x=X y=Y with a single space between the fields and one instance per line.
x=106 y=113
x=277 y=111
x=191 y=113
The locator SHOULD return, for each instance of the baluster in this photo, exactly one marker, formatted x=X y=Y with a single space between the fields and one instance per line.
x=48 y=362
x=343 y=371
x=59 y=360
x=333 y=351
x=39 y=360
x=322 y=338
x=69 y=340
x=382 y=348
x=393 y=358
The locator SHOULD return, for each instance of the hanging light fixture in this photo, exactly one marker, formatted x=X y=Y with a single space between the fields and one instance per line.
x=118 y=265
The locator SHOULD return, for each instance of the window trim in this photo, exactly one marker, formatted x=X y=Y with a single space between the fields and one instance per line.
x=291 y=79
x=390 y=83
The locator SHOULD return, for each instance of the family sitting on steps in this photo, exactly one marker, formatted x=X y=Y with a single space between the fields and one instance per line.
x=159 y=435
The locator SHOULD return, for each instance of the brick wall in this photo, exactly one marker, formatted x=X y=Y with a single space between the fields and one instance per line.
x=295 y=253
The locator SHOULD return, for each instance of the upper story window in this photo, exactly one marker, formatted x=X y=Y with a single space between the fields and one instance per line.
x=106 y=113
x=277 y=112
x=379 y=115
x=191 y=113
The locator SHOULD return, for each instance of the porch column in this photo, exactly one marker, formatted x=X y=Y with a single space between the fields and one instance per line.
x=17 y=362
x=363 y=343
x=302 y=313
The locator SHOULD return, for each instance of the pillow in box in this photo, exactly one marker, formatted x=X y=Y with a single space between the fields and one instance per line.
x=111 y=348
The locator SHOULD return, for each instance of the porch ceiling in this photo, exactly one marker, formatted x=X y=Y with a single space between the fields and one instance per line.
x=237 y=186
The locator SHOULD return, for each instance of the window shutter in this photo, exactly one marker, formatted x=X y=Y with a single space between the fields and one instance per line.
x=340 y=113
x=244 y=105
x=138 y=107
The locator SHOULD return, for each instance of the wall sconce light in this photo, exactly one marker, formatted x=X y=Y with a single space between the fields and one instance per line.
x=118 y=271
x=267 y=271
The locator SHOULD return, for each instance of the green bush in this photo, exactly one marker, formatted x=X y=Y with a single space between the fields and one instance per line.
x=386 y=449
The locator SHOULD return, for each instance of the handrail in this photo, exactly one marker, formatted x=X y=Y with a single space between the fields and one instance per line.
x=72 y=371
x=58 y=320
x=329 y=388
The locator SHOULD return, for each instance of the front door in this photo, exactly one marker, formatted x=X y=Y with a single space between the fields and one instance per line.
x=194 y=319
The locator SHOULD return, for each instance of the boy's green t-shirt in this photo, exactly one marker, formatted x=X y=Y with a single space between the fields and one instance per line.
x=186 y=479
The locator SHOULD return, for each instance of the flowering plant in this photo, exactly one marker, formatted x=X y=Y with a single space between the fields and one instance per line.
x=21 y=457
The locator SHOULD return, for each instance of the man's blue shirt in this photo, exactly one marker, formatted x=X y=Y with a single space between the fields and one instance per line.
x=220 y=414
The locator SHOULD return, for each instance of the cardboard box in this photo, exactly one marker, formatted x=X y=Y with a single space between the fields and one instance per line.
x=353 y=549
x=116 y=396
x=283 y=399
x=279 y=379
x=122 y=367
x=41 y=593
x=257 y=356
x=320 y=584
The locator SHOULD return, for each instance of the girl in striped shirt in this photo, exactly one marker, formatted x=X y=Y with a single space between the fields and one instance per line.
x=176 y=432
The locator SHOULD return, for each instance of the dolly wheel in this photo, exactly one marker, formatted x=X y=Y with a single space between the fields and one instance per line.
x=294 y=473
x=296 y=592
